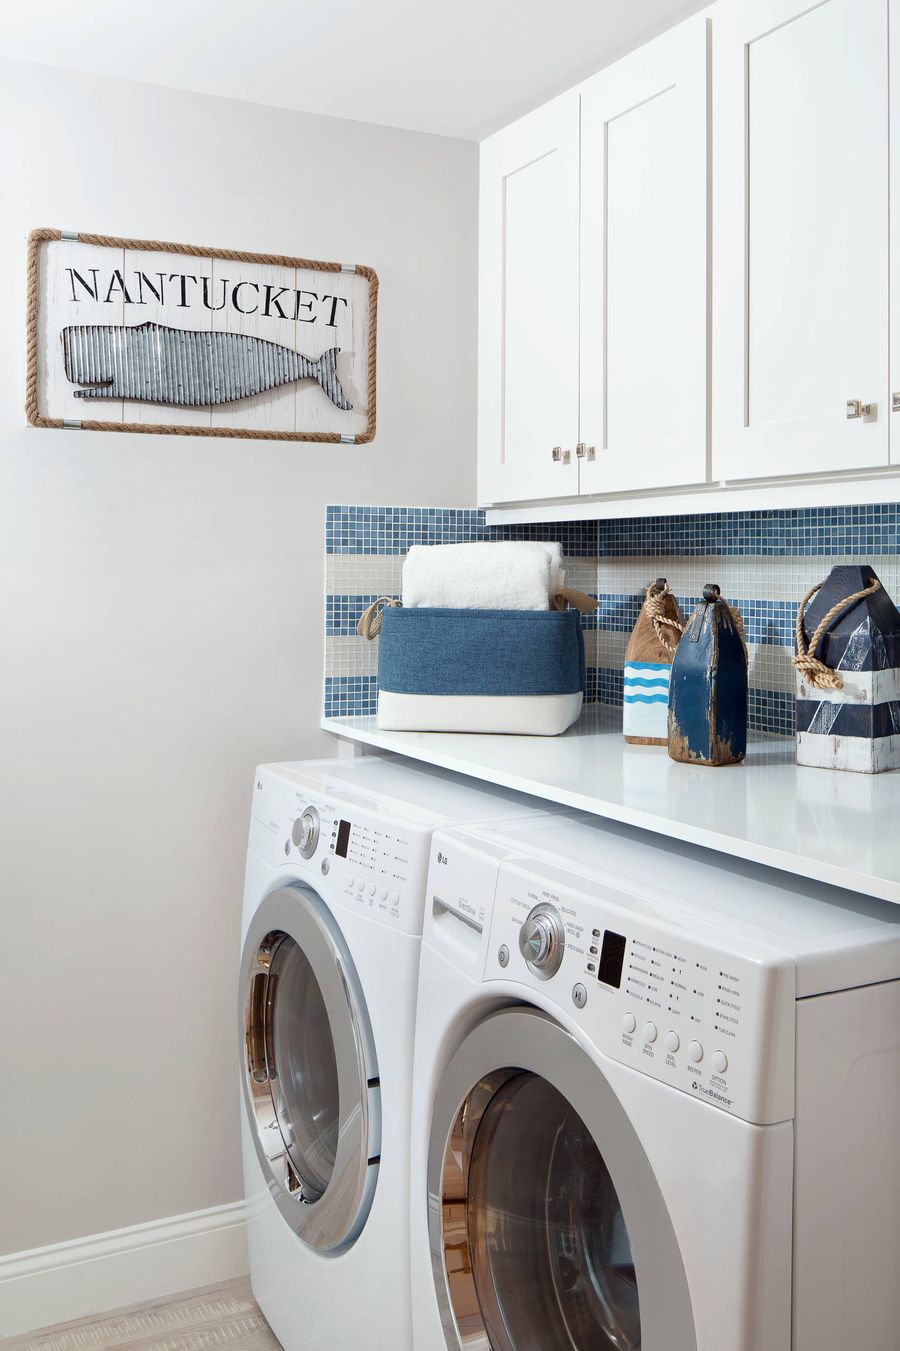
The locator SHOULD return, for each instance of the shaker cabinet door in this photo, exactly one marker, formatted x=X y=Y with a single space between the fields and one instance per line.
x=644 y=241
x=800 y=221
x=528 y=307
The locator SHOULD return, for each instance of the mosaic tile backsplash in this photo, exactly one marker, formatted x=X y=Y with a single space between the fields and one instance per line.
x=764 y=561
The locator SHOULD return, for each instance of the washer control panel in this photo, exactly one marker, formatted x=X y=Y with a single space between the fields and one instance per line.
x=712 y=1019
x=372 y=862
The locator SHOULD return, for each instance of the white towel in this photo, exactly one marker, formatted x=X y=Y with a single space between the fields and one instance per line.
x=506 y=575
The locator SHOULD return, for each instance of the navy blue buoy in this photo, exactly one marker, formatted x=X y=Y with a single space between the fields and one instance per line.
x=708 y=687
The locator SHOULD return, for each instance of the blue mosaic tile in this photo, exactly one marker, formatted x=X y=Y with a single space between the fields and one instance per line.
x=765 y=621
x=350 y=696
x=343 y=612
x=578 y=538
x=768 y=621
x=393 y=530
x=770 y=711
x=801 y=532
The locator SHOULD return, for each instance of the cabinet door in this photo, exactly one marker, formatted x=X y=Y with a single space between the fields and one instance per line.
x=800 y=230
x=644 y=358
x=528 y=307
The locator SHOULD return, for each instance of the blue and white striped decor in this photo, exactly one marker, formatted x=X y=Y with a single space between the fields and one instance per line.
x=764 y=562
x=646 y=699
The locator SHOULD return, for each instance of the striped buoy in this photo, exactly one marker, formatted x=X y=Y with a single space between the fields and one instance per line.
x=648 y=663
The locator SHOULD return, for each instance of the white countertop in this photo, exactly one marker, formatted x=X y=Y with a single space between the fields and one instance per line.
x=832 y=825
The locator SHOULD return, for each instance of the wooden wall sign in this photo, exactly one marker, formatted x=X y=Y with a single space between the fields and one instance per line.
x=141 y=336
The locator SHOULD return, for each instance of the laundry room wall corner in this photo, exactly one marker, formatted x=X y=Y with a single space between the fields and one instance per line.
x=162 y=624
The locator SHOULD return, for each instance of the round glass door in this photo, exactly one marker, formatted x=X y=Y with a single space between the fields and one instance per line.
x=551 y=1262
x=548 y=1230
x=310 y=1077
x=298 y=1061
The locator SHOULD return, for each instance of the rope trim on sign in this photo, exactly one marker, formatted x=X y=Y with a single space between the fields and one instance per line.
x=814 y=671
x=37 y=419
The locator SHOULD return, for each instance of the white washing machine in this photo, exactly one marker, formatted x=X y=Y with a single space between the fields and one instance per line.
x=656 y=1102
x=332 y=922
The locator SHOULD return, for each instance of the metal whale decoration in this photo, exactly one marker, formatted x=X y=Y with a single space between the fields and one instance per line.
x=156 y=364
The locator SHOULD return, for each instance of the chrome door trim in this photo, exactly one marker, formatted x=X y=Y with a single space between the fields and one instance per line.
x=335 y=1220
x=524 y=1038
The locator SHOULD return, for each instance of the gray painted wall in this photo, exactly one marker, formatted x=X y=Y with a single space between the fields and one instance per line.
x=161 y=621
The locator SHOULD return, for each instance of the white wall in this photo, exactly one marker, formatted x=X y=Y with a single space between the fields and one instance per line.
x=160 y=624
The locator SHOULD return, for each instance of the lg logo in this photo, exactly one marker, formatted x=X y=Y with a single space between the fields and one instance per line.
x=442 y=858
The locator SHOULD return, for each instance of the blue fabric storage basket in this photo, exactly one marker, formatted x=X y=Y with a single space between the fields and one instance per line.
x=480 y=670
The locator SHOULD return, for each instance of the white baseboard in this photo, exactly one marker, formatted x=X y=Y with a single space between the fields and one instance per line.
x=101 y=1272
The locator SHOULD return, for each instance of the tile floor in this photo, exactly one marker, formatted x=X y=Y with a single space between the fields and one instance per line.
x=217 y=1316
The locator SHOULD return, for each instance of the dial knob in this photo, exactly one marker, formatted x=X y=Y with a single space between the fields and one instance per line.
x=305 y=832
x=542 y=941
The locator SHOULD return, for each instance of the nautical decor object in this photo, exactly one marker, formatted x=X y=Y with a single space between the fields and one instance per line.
x=708 y=686
x=171 y=365
x=648 y=663
x=848 y=674
x=155 y=337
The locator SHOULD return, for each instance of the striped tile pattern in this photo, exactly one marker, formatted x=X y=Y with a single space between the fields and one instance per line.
x=763 y=561
x=220 y=1316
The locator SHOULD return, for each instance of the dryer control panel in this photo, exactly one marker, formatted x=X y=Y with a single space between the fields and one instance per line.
x=653 y=990
x=349 y=847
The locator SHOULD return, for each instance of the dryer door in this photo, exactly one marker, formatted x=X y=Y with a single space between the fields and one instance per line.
x=310 y=1077
x=548 y=1229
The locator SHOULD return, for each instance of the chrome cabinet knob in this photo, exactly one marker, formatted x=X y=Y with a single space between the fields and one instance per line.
x=559 y=455
x=542 y=941
x=585 y=452
x=856 y=409
x=895 y=402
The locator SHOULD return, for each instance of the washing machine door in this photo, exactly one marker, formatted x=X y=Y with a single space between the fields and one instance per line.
x=310 y=1076
x=548 y=1229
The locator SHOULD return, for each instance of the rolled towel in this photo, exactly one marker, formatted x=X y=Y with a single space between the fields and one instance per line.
x=506 y=575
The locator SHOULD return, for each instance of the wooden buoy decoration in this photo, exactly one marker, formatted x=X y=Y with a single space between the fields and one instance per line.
x=848 y=674
x=708 y=686
x=648 y=663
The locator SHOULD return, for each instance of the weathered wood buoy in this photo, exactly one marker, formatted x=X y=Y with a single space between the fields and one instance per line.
x=708 y=686
x=648 y=663
x=848 y=674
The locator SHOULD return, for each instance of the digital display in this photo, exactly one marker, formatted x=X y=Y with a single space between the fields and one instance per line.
x=612 y=955
x=343 y=839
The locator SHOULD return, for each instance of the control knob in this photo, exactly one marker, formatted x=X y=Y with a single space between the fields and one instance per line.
x=305 y=832
x=542 y=941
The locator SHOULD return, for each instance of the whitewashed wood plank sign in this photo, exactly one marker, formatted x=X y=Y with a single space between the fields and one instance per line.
x=142 y=336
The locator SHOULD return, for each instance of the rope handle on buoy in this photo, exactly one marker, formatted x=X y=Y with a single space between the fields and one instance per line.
x=655 y=610
x=807 y=663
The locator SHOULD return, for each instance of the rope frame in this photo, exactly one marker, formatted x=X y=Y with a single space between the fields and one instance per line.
x=37 y=419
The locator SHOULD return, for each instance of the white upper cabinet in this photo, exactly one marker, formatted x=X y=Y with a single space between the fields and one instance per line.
x=800 y=228
x=528 y=307
x=644 y=210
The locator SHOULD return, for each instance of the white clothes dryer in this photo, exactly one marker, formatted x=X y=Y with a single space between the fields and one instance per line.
x=332 y=921
x=656 y=1101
